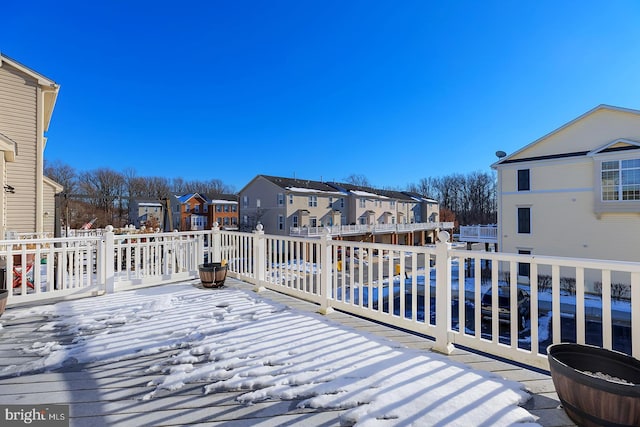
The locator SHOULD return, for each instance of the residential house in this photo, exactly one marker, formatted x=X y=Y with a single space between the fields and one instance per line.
x=27 y=99
x=575 y=192
x=193 y=212
x=289 y=206
x=381 y=209
x=282 y=203
x=223 y=209
x=146 y=212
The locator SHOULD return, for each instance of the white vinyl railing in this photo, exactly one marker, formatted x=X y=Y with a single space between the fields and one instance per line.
x=479 y=233
x=36 y=269
x=438 y=291
x=341 y=230
x=447 y=293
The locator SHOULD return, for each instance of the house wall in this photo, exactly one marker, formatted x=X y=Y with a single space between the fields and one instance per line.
x=267 y=213
x=49 y=205
x=18 y=112
x=587 y=134
x=563 y=193
x=323 y=211
x=193 y=206
x=227 y=216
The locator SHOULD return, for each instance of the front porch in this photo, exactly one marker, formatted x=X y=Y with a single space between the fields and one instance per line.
x=110 y=392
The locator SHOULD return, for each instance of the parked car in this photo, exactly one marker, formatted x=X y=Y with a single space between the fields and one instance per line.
x=504 y=306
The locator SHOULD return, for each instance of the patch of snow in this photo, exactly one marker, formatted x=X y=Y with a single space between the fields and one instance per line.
x=233 y=340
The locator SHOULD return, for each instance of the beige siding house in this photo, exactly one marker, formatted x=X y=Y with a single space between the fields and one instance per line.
x=576 y=191
x=281 y=203
x=287 y=206
x=27 y=99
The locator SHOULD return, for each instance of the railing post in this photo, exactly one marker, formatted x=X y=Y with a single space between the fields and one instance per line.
x=326 y=267
x=443 y=294
x=215 y=251
x=108 y=259
x=259 y=257
x=199 y=250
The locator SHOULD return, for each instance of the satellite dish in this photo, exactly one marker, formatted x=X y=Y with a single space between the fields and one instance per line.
x=500 y=154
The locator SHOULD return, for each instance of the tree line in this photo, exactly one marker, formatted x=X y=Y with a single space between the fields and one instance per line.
x=104 y=193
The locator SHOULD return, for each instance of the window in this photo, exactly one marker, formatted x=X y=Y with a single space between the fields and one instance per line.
x=342 y=202
x=363 y=203
x=524 y=181
x=524 y=220
x=258 y=203
x=205 y=208
x=524 y=267
x=313 y=201
x=280 y=199
x=290 y=199
x=219 y=208
x=330 y=201
x=226 y=208
x=245 y=202
x=234 y=208
x=294 y=220
x=392 y=203
x=620 y=180
x=281 y=222
x=245 y=219
x=313 y=221
x=196 y=208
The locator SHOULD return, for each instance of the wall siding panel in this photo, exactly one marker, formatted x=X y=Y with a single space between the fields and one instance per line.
x=18 y=110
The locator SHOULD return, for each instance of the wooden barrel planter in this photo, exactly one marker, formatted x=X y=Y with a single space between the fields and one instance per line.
x=212 y=274
x=597 y=387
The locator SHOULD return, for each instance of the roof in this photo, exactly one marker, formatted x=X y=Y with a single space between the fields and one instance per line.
x=340 y=188
x=48 y=86
x=9 y=147
x=301 y=185
x=223 y=198
x=601 y=107
x=186 y=197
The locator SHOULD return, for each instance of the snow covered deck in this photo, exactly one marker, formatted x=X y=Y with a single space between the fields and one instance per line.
x=131 y=368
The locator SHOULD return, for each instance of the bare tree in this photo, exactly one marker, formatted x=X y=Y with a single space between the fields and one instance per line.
x=359 y=180
x=471 y=198
x=63 y=174
x=105 y=187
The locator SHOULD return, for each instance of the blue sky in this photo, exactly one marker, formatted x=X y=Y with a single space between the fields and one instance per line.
x=394 y=91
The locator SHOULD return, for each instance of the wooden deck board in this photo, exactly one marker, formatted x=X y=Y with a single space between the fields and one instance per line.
x=110 y=393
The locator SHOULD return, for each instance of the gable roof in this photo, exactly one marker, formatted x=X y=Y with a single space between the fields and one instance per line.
x=620 y=144
x=48 y=86
x=186 y=197
x=601 y=107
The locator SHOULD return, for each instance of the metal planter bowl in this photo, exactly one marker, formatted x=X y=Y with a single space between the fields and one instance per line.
x=597 y=387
